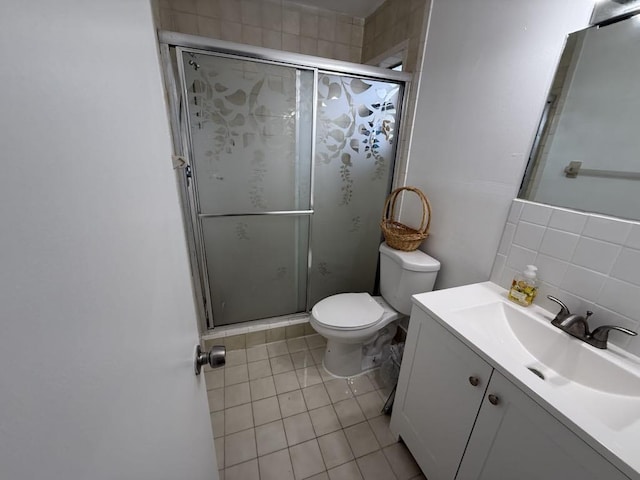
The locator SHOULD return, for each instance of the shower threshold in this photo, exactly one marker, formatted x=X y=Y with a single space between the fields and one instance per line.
x=256 y=332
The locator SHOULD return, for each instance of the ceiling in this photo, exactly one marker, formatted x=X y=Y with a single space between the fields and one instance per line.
x=354 y=8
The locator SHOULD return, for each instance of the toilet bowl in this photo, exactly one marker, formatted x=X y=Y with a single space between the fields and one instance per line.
x=350 y=320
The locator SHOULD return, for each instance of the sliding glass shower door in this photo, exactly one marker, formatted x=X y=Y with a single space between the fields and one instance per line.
x=251 y=130
x=357 y=129
x=290 y=167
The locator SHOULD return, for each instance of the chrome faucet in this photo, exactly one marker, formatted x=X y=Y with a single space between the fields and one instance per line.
x=578 y=326
x=600 y=335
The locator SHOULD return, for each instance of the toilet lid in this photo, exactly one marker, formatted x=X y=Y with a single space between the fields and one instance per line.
x=348 y=311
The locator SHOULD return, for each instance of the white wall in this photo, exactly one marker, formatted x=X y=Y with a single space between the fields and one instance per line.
x=97 y=322
x=597 y=124
x=487 y=68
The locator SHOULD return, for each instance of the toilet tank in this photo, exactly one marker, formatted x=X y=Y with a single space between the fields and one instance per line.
x=403 y=274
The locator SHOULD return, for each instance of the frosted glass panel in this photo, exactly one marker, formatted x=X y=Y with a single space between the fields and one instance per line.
x=257 y=266
x=246 y=119
x=357 y=123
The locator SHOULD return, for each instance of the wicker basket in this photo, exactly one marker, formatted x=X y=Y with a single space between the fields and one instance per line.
x=398 y=235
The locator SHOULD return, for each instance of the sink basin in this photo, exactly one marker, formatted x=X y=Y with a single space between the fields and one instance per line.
x=552 y=354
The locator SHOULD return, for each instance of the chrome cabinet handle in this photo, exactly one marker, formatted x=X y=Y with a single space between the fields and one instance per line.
x=494 y=399
x=475 y=381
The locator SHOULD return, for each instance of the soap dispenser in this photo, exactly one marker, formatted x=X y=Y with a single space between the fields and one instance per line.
x=524 y=286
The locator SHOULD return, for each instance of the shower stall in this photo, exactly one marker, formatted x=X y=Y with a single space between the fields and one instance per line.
x=286 y=161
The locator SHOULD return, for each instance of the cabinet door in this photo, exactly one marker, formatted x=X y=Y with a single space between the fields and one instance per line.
x=518 y=439
x=436 y=403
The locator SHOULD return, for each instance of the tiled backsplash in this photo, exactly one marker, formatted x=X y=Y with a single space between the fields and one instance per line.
x=589 y=261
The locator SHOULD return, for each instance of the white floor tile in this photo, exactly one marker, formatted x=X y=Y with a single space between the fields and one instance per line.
x=239 y=447
x=375 y=467
x=349 y=412
x=308 y=376
x=286 y=382
x=217 y=423
x=315 y=341
x=235 y=357
x=326 y=376
x=302 y=359
x=214 y=379
x=238 y=418
x=262 y=388
x=361 y=384
x=297 y=344
x=401 y=461
x=318 y=355
x=320 y=476
x=298 y=428
x=291 y=403
x=361 y=439
x=266 y=410
x=270 y=437
x=257 y=353
x=306 y=459
x=338 y=389
x=259 y=369
x=276 y=466
x=243 y=471
x=371 y=404
x=216 y=399
x=316 y=396
x=281 y=364
x=234 y=375
x=236 y=394
x=276 y=349
x=335 y=449
x=348 y=471
x=219 y=444
x=380 y=427
x=324 y=420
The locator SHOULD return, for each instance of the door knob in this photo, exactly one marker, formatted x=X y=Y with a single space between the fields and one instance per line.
x=475 y=381
x=215 y=357
x=494 y=399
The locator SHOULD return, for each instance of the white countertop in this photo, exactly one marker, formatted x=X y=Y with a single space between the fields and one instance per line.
x=614 y=434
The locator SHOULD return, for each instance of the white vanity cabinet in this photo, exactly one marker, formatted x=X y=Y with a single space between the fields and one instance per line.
x=457 y=428
x=441 y=386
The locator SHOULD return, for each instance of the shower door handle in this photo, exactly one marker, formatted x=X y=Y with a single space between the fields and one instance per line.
x=216 y=357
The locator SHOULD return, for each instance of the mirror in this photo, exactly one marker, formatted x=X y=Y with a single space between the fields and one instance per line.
x=586 y=154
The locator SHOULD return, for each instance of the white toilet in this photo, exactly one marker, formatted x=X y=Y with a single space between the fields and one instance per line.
x=349 y=320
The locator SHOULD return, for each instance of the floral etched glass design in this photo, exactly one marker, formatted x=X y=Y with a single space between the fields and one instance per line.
x=356 y=133
x=245 y=120
x=251 y=139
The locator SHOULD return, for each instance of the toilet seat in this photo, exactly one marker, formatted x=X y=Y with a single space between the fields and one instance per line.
x=348 y=311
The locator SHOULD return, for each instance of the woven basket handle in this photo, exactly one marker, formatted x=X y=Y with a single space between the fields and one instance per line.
x=390 y=207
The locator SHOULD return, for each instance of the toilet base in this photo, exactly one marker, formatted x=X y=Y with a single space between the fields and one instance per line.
x=343 y=359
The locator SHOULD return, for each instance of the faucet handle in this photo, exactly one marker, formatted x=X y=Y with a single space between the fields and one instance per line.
x=600 y=335
x=564 y=310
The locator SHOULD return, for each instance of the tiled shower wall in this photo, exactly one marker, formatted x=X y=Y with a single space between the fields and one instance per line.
x=395 y=22
x=399 y=24
x=589 y=261
x=268 y=23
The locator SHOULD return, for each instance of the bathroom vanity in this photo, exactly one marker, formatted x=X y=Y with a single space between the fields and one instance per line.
x=490 y=390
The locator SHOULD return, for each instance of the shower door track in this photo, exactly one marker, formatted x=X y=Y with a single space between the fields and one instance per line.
x=182 y=137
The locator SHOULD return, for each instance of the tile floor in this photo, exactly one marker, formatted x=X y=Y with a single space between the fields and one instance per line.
x=276 y=414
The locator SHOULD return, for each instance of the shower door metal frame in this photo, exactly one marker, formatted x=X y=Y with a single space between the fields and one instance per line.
x=181 y=130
